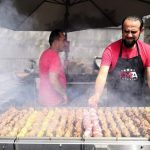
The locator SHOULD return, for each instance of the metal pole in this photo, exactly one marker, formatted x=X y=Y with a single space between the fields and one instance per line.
x=66 y=24
x=67 y=3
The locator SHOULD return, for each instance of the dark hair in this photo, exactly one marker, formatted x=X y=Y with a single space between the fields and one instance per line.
x=54 y=35
x=135 y=18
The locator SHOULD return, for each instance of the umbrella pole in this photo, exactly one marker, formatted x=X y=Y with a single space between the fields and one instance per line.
x=67 y=3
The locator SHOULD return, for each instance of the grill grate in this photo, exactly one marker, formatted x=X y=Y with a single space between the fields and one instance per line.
x=76 y=122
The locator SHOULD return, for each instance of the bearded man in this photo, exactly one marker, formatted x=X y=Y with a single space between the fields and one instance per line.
x=124 y=65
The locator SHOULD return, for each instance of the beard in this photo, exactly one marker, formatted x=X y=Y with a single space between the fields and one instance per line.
x=129 y=44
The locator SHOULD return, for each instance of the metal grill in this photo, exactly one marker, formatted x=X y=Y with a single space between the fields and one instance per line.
x=76 y=128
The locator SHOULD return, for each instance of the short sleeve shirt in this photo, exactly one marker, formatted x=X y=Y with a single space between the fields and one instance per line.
x=111 y=54
x=50 y=62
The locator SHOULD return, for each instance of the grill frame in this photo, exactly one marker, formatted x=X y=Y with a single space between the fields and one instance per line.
x=46 y=143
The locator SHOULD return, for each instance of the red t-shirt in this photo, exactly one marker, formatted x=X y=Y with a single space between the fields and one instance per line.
x=111 y=54
x=50 y=62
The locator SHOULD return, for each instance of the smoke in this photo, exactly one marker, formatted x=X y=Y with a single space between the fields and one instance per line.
x=13 y=17
x=16 y=48
x=146 y=18
x=79 y=94
x=9 y=16
x=15 y=91
x=19 y=46
x=126 y=95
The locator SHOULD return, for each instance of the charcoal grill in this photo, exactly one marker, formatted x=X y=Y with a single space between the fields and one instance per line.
x=21 y=141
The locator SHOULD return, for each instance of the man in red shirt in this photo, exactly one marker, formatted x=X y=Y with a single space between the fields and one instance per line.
x=124 y=64
x=52 y=90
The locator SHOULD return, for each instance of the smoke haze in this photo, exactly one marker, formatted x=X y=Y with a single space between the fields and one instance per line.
x=17 y=47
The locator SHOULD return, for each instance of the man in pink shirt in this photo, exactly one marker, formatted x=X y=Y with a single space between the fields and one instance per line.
x=52 y=90
x=124 y=66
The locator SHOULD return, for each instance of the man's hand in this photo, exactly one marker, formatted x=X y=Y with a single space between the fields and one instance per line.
x=93 y=101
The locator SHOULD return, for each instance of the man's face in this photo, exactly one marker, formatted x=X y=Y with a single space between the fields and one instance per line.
x=131 y=32
x=61 y=42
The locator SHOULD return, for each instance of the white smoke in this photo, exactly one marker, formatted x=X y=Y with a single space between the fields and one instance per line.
x=16 y=48
x=9 y=16
x=146 y=17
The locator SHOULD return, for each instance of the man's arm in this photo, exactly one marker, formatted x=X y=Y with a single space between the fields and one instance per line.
x=148 y=76
x=99 y=85
x=53 y=78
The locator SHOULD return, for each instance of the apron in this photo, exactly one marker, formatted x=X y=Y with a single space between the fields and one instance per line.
x=125 y=81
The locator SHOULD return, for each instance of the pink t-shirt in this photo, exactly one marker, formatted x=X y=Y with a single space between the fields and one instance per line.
x=111 y=54
x=50 y=62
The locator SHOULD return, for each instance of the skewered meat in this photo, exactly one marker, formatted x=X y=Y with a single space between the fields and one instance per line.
x=76 y=122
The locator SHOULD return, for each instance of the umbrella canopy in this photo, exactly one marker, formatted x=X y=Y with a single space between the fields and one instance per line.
x=69 y=15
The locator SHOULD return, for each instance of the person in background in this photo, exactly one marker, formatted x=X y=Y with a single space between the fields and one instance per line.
x=52 y=89
x=124 y=64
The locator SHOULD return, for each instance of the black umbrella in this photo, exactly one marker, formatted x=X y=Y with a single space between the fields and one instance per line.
x=69 y=15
